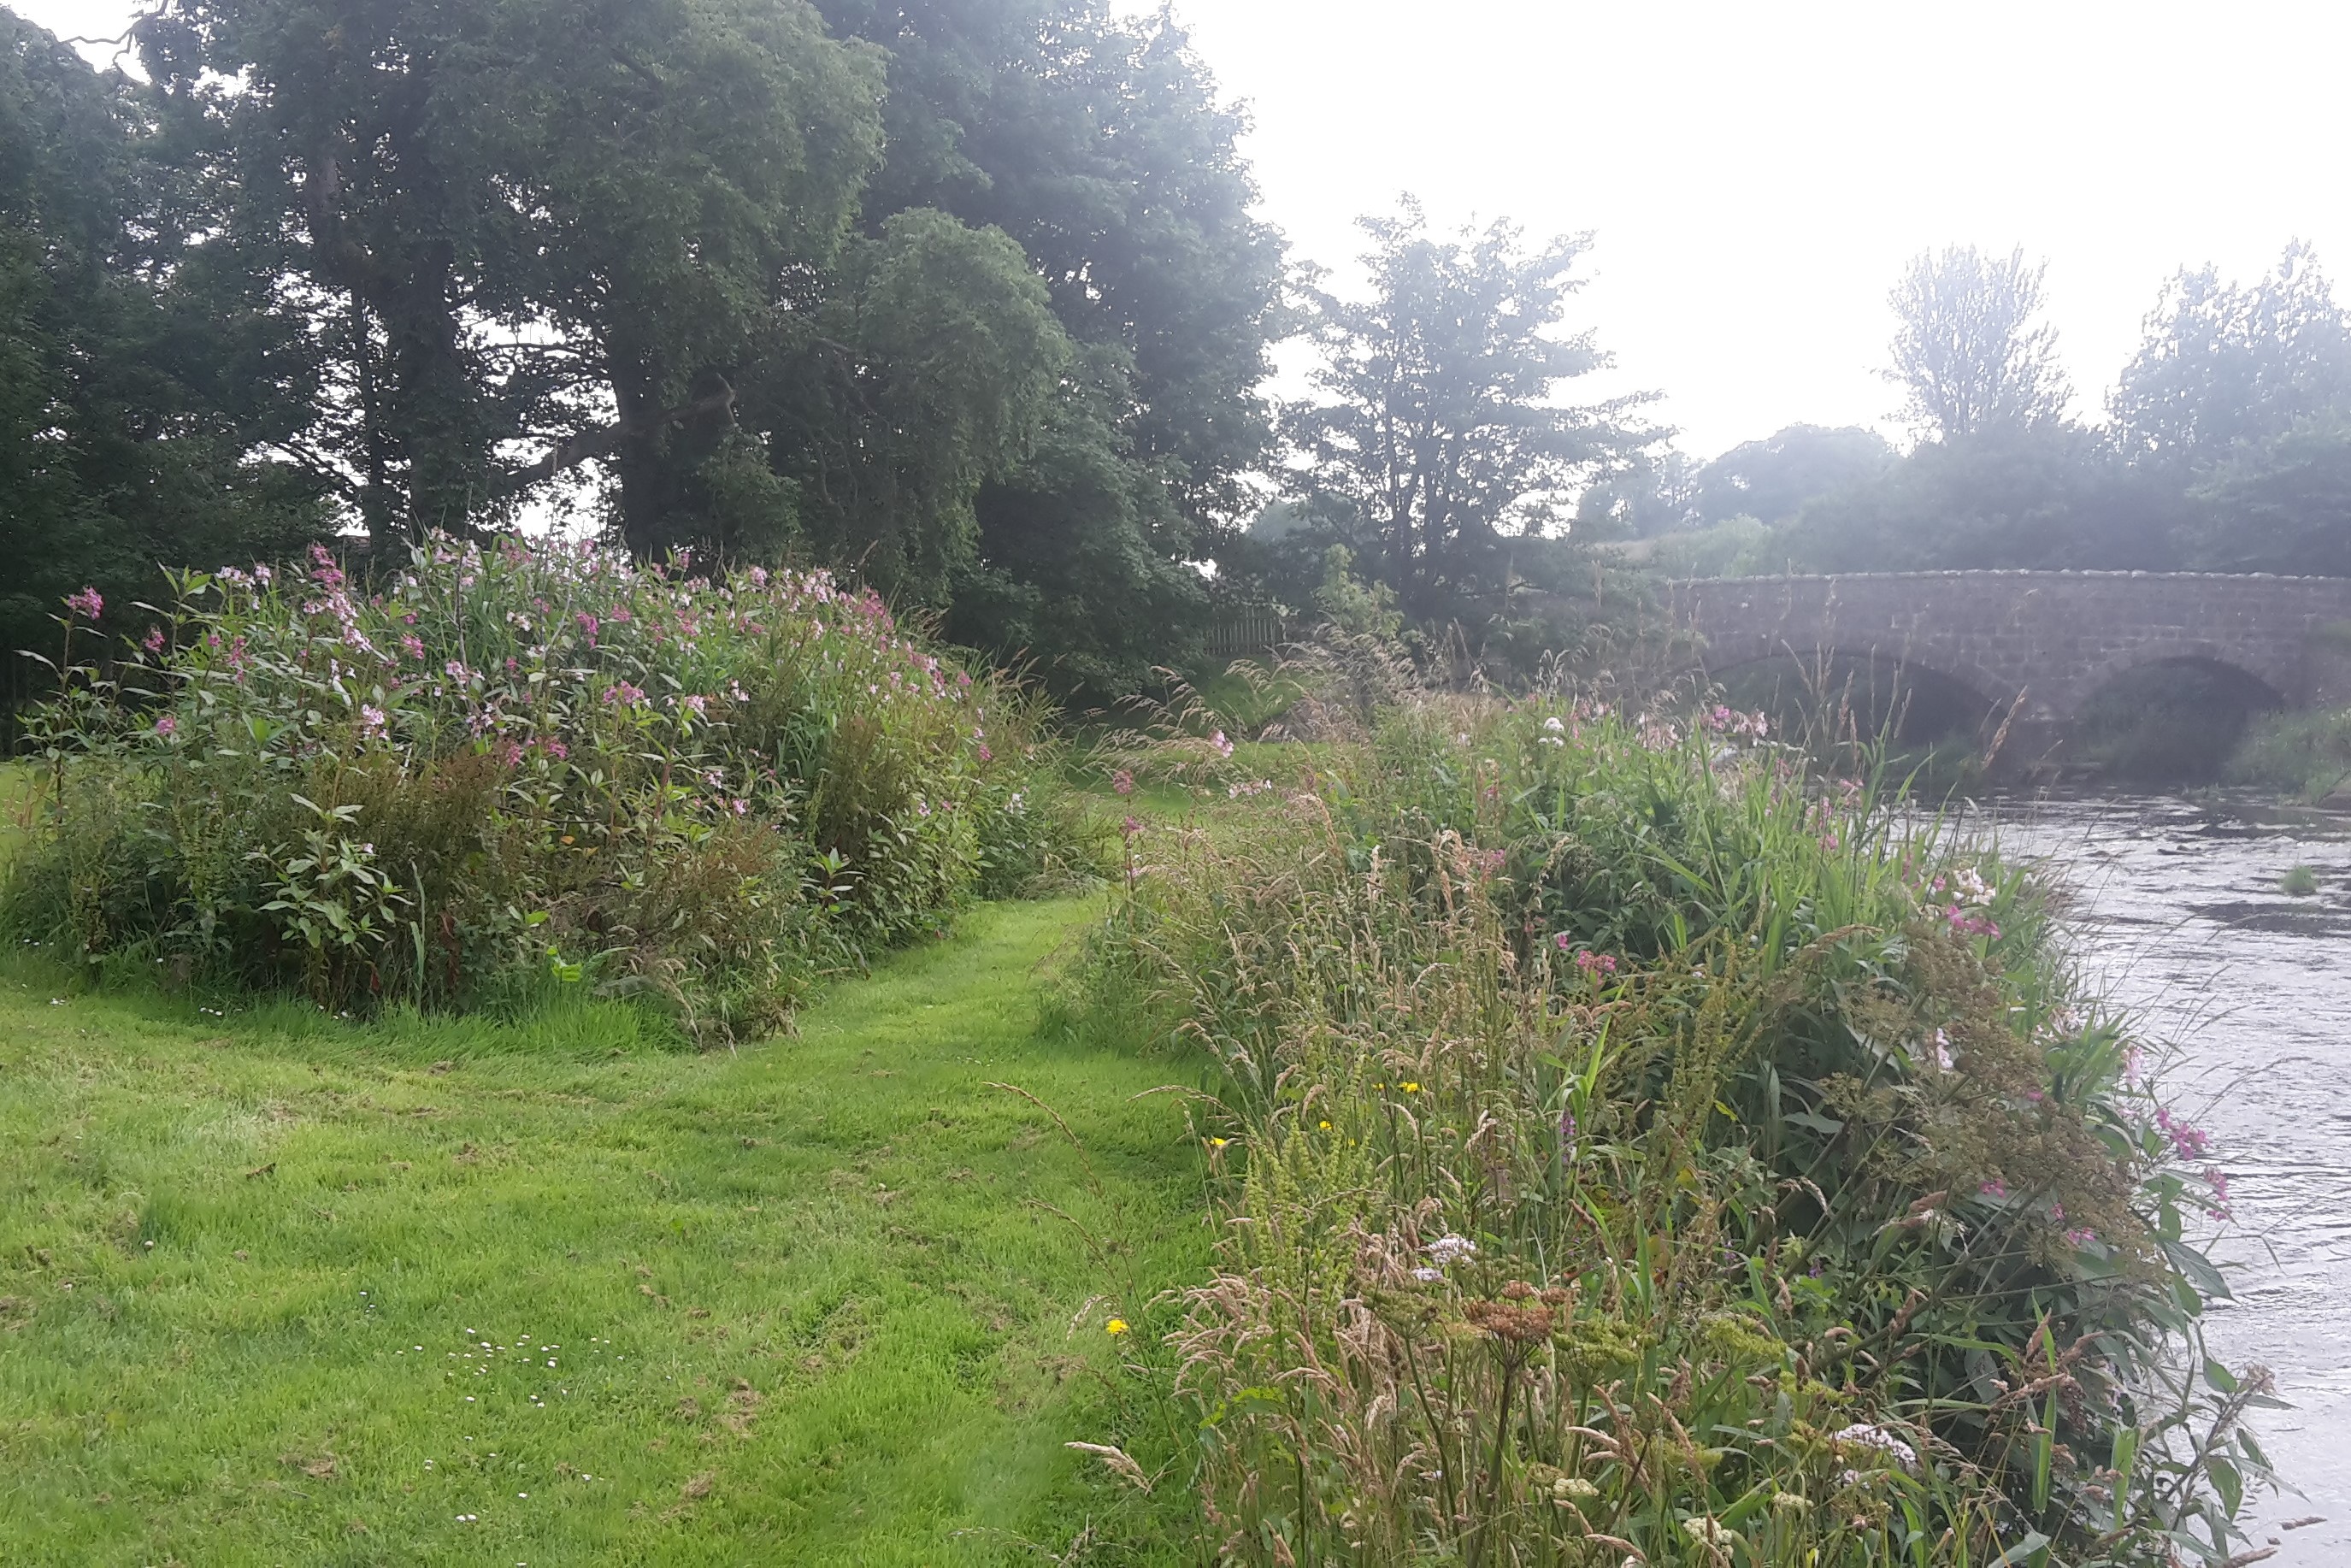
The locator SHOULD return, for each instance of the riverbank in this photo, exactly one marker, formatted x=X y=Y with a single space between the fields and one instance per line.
x=277 y=1288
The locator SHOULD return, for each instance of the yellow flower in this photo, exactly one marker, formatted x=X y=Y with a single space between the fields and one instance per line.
x=1409 y=1088
x=1217 y=1143
x=1326 y=1126
x=1116 y=1325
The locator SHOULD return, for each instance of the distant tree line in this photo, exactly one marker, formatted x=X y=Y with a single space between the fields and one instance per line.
x=2226 y=446
x=965 y=296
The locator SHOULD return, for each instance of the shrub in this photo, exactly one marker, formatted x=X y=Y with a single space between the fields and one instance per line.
x=526 y=761
x=1640 y=1150
x=2306 y=754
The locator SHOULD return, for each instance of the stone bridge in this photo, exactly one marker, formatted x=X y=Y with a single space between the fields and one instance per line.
x=2037 y=646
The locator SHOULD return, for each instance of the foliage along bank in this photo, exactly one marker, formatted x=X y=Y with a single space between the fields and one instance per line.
x=1637 y=1148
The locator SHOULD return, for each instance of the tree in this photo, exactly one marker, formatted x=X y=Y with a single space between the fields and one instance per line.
x=2049 y=495
x=2281 y=504
x=143 y=384
x=1096 y=142
x=1656 y=494
x=2225 y=364
x=1967 y=353
x=527 y=223
x=1440 y=440
x=929 y=364
x=1772 y=479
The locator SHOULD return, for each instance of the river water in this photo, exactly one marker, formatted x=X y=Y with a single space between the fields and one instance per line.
x=2180 y=917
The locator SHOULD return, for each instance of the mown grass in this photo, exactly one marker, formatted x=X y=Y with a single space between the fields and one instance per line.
x=808 y=1304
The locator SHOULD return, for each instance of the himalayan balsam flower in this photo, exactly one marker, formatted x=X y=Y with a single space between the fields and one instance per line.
x=154 y=641
x=1224 y=748
x=371 y=721
x=1122 y=782
x=166 y=725
x=87 y=602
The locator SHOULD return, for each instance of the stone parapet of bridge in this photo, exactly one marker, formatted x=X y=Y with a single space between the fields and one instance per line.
x=2039 y=643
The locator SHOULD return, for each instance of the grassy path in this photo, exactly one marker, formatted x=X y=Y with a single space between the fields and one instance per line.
x=283 y=1291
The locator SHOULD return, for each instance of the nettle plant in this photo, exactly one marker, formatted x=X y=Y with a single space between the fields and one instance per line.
x=530 y=760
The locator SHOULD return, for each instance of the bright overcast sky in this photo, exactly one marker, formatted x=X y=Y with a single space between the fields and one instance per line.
x=1757 y=173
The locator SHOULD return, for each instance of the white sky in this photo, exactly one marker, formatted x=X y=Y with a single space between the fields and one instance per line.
x=1758 y=173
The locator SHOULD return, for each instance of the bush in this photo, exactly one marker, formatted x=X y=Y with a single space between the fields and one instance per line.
x=1640 y=1151
x=519 y=763
x=2306 y=754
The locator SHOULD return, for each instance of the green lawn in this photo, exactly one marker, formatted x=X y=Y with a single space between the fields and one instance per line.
x=276 y=1290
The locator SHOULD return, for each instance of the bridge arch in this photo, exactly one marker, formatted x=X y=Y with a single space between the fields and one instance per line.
x=1927 y=697
x=2256 y=676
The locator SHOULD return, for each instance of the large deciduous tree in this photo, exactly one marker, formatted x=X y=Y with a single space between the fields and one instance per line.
x=530 y=225
x=1970 y=353
x=1442 y=437
x=143 y=381
x=2224 y=362
x=1096 y=142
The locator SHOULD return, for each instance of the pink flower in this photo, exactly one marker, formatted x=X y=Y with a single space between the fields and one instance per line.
x=1122 y=782
x=411 y=646
x=1994 y=1188
x=87 y=602
x=371 y=721
x=984 y=754
x=623 y=693
x=1130 y=827
x=324 y=569
x=154 y=641
x=166 y=725
x=2188 y=1142
x=1224 y=748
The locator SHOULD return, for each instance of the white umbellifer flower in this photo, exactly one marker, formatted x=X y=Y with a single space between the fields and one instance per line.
x=1428 y=1276
x=1943 y=1057
x=1863 y=1435
x=1708 y=1532
x=1554 y=726
x=1451 y=1248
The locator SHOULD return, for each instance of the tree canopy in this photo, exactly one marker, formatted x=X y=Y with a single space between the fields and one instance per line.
x=1968 y=354
x=967 y=297
x=1440 y=438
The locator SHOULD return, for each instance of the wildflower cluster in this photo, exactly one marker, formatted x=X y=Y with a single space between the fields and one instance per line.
x=526 y=758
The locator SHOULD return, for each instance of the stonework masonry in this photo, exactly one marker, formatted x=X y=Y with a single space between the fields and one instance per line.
x=2038 y=642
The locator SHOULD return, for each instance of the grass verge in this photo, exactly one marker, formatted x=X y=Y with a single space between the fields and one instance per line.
x=279 y=1289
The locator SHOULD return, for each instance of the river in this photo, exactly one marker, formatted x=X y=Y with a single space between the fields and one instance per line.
x=2179 y=916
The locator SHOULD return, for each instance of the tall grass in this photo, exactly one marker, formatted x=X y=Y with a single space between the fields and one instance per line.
x=1638 y=1149
x=522 y=765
